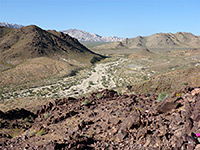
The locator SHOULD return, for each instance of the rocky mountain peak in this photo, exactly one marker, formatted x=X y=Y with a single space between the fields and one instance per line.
x=86 y=36
x=15 y=26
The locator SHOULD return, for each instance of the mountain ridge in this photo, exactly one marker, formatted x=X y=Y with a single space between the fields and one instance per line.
x=158 y=40
x=86 y=36
x=11 y=25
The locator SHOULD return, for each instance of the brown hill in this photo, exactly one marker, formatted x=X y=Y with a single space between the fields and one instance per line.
x=32 y=41
x=159 y=40
x=34 y=49
x=4 y=30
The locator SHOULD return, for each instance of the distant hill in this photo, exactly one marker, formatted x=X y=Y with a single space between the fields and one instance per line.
x=159 y=40
x=31 y=53
x=15 y=26
x=86 y=36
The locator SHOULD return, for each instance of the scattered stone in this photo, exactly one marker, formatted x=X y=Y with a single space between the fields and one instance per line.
x=110 y=122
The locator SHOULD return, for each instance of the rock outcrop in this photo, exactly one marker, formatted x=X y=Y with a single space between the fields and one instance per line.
x=112 y=121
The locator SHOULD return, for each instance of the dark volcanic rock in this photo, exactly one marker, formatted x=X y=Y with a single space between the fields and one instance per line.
x=112 y=122
x=166 y=106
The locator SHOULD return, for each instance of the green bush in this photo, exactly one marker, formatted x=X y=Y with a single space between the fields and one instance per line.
x=86 y=102
x=119 y=93
x=99 y=95
x=91 y=83
x=26 y=119
x=40 y=132
x=162 y=96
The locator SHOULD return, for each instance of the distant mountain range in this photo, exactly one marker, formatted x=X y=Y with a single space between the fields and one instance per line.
x=86 y=36
x=75 y=33
x=15 y=26
x=159 y=40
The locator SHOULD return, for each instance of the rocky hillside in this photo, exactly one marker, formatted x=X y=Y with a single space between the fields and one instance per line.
x=159 y=40
x=86 y=36
x=107 y=120
x=32 y=41
x=15 y=26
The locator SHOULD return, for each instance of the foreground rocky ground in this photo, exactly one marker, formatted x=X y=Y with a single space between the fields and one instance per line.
x=107 y=120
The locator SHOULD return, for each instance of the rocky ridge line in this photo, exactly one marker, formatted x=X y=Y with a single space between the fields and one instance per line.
x=86 y=36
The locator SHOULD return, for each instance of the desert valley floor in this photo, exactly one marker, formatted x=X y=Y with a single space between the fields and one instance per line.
x=55 y=93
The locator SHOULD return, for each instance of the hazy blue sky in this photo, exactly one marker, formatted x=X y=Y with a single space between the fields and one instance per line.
x=124 y=18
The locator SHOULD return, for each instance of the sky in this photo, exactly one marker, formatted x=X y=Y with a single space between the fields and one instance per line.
x=122 y=18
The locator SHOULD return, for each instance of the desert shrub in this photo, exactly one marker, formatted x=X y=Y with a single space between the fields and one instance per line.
x=40 y=132
x=32 y=133
x=16 y=132
x=47 y=115
x=26 y=119
x=162 y=96
x=86 y=135
x=145 y=77
x=91 y=83
x=119 y=93
x=99 y=95
x=86 y=102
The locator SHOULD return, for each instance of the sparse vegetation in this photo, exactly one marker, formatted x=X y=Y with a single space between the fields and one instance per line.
x=86 y=102
x=47 y=115
x=118 y=73
x=26 y=119
x=91 y=83
x=40 y=132
x=32 y=133
x=162 y=96
x=99 y=95
x=16 y=132
x=119 y=93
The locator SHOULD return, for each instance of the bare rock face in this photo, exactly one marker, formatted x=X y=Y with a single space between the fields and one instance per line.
x=111 y=121
x=166 y=106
